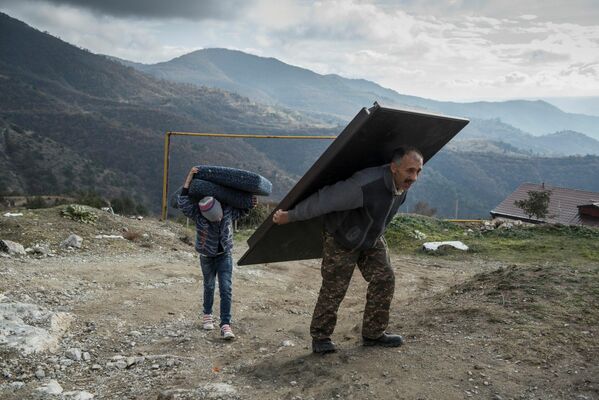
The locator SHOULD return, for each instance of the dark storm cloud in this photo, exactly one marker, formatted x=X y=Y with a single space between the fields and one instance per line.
x=187 y=9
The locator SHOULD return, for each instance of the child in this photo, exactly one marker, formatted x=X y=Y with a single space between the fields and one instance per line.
x=214 y=242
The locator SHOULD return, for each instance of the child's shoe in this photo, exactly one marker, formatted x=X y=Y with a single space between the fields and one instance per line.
x=226 y=332
x=208 y=322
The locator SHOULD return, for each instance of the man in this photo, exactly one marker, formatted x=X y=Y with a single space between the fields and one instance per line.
x=356 y=212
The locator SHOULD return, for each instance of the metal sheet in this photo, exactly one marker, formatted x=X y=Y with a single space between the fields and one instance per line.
x=368 y=141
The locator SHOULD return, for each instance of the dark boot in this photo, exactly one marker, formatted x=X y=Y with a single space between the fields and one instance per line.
x=386 y=340
x=323 y=346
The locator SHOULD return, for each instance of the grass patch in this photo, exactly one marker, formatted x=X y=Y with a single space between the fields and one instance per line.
x=523 y=244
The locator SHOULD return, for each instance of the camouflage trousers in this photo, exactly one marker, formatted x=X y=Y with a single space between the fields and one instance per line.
x=338 y=266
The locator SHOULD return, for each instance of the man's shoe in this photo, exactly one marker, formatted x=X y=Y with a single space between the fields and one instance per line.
x=226 y=332
x=385 y=340
x=323 y=346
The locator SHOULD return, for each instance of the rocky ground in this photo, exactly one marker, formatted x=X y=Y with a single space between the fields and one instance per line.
x=117 y=318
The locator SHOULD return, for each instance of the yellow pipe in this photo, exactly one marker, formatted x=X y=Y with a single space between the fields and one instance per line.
x=463 y=220
x=254 y=136
x=167 y=141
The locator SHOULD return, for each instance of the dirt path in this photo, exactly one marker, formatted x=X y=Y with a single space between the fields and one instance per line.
x=142 y=307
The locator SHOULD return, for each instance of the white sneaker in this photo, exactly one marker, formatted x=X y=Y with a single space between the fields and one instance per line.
x=226 y=332
x=208 y=322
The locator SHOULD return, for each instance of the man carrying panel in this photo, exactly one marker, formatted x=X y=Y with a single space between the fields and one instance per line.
x=356 y=213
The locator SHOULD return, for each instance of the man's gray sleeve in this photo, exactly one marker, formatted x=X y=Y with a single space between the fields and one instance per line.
x=344 y=195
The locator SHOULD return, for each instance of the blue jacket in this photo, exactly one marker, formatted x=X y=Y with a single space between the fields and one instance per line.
x=211 y=234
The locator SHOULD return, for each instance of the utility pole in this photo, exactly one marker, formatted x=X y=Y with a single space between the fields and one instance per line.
x=457 y=204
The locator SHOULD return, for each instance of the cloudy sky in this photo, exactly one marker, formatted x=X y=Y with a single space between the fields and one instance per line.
x=453 y=49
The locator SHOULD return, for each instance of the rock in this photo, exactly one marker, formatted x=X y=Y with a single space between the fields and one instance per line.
x=72 y=241
x=74 y=354
x=109 y=237
x=220 y=390
x=16 y=385
x=39 y=373
x=40 y=333
x=96 y=367
x=40 y=250
x=287 y=343
x=66 y=362
x=434 y=246
x=416 y=234
x=12 y=248
x=9 y=214
x=52 y=387
x=86 y=356
x=506 y=225
x=83 y=395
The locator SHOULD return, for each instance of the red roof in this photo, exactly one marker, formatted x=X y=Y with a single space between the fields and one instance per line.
x=563 y=205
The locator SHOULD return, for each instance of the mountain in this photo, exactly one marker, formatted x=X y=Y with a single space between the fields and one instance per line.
x=588 y=105
x=67 y=111
x=72 y=120
x=484 y=135
x=271 y=81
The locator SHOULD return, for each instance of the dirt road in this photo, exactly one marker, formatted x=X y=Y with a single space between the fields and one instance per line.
x=136 y=315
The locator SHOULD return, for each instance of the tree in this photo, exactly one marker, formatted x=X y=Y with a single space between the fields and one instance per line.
x=536 y=205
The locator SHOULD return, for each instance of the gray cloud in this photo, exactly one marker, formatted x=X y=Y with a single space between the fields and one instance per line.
x=583 y=12
x=157 y=9
x=541 y=57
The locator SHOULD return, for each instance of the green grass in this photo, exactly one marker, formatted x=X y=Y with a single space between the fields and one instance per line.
x=530 y=244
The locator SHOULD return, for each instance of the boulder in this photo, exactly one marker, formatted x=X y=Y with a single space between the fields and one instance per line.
x=29 y=328
x=12 y=248
x=72 y=241
x=434 y=246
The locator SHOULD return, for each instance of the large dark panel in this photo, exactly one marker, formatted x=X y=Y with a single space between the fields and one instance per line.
x=368 y=141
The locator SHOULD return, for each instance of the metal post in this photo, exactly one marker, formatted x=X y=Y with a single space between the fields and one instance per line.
x=167 y=144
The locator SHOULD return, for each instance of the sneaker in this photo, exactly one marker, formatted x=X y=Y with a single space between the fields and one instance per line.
x=323 y=346
x=208 y=322
x=226 y=332
x=385 y=340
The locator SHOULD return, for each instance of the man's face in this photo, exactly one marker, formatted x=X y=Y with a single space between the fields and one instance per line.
x=407 y=171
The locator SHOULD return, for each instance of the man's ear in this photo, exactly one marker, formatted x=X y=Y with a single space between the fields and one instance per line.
x=394 y=167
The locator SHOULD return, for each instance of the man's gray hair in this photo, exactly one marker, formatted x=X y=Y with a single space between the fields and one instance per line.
x=402 y=151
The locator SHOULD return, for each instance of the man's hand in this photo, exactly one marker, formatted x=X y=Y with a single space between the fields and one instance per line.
x=280 y=217
x=192 y=172
x=254 y=201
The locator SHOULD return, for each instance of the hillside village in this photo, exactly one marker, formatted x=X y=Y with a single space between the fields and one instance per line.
x=116 y=316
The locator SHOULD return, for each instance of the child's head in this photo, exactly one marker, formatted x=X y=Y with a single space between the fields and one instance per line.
x=211 y=209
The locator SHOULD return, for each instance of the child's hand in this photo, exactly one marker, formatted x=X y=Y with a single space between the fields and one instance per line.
x=192 y=172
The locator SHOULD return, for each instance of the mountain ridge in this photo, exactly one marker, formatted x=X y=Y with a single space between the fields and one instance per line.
x=105 y=123
x=275 y=82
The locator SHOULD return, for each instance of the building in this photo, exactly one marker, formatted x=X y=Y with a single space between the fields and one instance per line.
x=566 y=206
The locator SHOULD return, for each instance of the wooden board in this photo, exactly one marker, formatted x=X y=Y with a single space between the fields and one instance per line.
x=368 y=141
